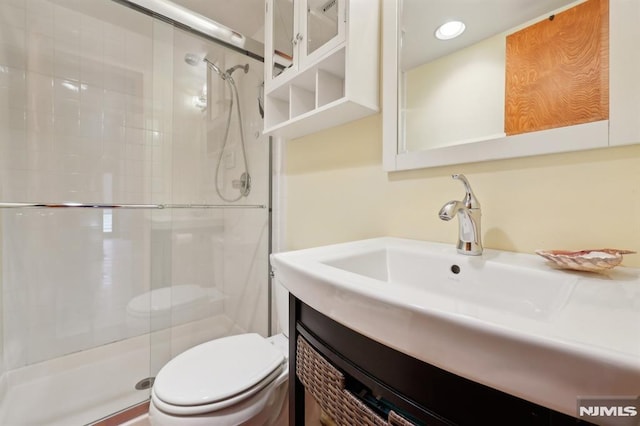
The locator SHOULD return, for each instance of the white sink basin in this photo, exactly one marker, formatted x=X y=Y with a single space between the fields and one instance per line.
x=503 y=319
x=475 y=281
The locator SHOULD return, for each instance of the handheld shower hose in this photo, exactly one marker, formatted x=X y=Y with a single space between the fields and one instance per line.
x=244 y=183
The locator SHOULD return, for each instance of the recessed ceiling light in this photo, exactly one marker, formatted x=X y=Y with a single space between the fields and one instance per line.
x=449 y=30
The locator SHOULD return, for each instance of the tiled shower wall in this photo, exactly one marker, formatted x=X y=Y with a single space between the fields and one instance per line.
x=97 y=106
x=78 y=111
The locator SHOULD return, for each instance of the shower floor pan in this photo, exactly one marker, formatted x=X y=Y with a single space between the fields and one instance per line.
x=86 y=386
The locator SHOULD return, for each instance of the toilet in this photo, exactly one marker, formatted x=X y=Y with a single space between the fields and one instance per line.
x=234 y=380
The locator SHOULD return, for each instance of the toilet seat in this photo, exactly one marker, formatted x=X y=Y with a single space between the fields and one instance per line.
x=217 y=374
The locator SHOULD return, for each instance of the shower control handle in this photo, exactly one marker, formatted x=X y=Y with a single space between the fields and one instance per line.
x=243 y=184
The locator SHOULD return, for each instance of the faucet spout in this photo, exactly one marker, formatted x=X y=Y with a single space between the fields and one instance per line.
x=449 y=210
x=469 y=214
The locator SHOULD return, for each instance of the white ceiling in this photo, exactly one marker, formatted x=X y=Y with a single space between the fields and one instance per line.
x=243 y=16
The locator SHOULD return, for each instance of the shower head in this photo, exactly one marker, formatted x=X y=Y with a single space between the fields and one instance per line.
x=195 y=60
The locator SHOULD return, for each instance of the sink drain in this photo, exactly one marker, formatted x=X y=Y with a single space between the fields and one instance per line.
x=145 y=383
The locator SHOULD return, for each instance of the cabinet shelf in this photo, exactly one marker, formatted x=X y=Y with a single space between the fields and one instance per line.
x=335 y=84
x=329 y=115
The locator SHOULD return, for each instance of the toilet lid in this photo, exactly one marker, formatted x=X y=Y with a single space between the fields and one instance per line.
x=217 y=370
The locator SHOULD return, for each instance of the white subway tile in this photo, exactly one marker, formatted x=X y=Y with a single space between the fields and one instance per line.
x=40 y=53
x=91 y=95
x=41 y=25
x=67 y=109
x=13 y=15
x=12 y=47
x=66 y=89
x=92 y=72
x=39 y=122
x=40 y=141
x=65 y=128
x=11 y=138
x=66 y=65
x=115 y=78
x=67 y=24
x=12 y=118
x=39 y=92
x=91 y=123
x=42 y=8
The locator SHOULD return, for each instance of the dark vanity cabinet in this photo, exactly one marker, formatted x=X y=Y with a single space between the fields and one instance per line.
x=358 y=381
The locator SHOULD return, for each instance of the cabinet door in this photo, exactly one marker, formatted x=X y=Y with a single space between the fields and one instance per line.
x=281 y=39
x=322 y=25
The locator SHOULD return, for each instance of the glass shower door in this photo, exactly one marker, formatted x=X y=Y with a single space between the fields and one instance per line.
x=98 y=109
x=75 y=127
x=218 y=268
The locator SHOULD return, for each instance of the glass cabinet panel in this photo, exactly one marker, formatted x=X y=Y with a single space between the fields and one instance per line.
x=322 y=22
x=283 y=36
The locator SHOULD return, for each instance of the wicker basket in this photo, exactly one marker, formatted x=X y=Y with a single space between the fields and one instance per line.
x=327 y=385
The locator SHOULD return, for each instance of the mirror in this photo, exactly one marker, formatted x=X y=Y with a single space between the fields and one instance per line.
x=444 y=100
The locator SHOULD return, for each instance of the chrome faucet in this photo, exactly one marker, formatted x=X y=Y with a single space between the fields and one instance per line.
x=468 y=211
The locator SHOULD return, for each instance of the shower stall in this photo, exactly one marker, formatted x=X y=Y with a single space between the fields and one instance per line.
x=134 y=204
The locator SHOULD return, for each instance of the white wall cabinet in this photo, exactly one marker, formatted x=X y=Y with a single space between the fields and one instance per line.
x=321 y=64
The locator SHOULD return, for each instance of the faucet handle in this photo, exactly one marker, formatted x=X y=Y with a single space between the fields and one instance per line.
x=470 y=201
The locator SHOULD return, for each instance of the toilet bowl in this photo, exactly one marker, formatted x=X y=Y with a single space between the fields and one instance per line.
x=234 y=380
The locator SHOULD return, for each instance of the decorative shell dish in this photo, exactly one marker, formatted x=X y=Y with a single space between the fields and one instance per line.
x=585 y=260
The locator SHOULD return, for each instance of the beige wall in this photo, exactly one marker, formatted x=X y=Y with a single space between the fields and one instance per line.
x=337 y=191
